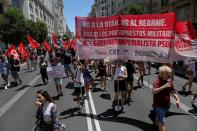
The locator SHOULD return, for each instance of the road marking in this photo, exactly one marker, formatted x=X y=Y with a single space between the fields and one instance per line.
x=98 y=128
x=89 y=122
x=173 y=101
x=14 y=99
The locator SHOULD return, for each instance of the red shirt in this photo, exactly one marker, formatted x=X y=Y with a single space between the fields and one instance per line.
x=162 y=99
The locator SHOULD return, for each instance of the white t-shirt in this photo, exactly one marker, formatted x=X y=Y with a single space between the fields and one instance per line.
x=119 y=72
x=47 y=107
x=78 y=76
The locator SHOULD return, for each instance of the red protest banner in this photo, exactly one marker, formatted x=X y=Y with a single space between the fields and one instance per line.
x=137 y=37
x=185 y=40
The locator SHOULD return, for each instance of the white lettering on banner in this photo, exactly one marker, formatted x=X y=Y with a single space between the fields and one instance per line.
x=56 y=71
x=160 y=33
x=153 y=22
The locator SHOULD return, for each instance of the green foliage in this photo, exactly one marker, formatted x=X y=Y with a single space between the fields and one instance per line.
x=66 y=37
x=14 y=27
x=133 y=9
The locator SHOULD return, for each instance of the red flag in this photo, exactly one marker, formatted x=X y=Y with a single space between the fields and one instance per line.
x=66 y=44
x=23 y=51
x=33 y=43
x=73 y=43
x=54 y=40
x=47 y=46
x=12 y=51
x=187 y=28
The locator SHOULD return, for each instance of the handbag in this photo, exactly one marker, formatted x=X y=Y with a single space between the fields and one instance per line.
x=37 y=126
x=61 y=126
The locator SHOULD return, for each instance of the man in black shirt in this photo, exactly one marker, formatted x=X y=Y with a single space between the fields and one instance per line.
x=15 y=69
x=66 y=58
x=129 y=82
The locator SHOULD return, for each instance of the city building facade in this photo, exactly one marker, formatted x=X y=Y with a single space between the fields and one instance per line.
x=50 y=12
x=3 y=5
x=185 y=9
x=113 y=7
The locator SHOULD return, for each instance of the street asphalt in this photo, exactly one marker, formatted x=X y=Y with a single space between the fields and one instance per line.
x=17 y=107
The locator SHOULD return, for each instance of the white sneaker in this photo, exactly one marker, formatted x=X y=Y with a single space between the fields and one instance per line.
x=8 y=84
x=6 y=87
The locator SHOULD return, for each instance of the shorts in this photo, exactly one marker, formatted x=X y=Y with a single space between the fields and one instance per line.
x=79 y=90
x=58 y=81
x=67 y=68
x=122 y=85
x=87 y=80
x=15 y=74
x=161 y=113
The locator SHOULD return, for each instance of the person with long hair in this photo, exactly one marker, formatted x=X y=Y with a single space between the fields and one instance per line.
x=78 y=79
x=120 y=85
x=87 y=78
x=46 y=115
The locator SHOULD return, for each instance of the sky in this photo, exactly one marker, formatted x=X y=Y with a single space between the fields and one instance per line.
x=74 y=8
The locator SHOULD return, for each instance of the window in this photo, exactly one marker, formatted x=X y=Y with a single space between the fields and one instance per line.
x=183 y=12
x=32 y=17
x=164 y=2
x=15 y=3
x=1 y=8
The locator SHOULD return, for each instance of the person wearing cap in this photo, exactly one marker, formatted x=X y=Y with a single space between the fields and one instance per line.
x=4 y=71
x=162 y=89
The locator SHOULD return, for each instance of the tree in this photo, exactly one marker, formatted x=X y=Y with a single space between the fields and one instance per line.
x=133 y=9
x=14 y=27
x=12 y=24
x=66 y=37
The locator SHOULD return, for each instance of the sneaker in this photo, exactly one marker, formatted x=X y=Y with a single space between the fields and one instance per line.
x=6 y=87
x=61 y=94
x=8 y=84
x=80 y=106
x=105 y=89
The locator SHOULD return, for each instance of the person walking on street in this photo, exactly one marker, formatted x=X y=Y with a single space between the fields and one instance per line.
x=141 y=70
x=15 y=70
x=162 y=89
x=120 y=85
x=129 y=81
x=58 y=81
x=191 y=73
x=43 y=70
x=4 y=71
x=87 y=78
x=46 y=114
x=102 y=74
x=77 y=77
